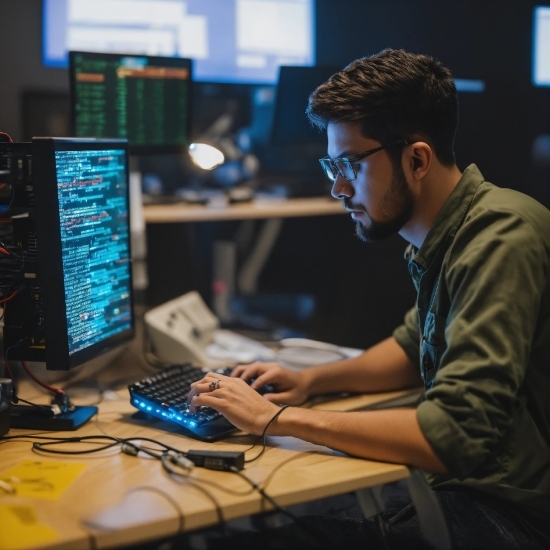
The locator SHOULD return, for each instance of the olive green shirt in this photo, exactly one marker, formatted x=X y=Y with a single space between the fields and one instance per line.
x=480 y=334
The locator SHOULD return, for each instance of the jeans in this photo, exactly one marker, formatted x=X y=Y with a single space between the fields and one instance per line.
x=472 y=525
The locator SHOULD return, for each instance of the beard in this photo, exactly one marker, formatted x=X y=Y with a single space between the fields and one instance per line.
x=397 y=205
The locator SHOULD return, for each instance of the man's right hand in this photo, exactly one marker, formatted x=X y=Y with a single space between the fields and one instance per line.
x=290 y=386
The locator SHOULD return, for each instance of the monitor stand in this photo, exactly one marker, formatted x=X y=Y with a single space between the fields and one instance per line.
x=27 y=417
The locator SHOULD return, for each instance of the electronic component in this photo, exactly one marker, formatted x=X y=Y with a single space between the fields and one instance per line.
x=71 y=225
x=65 y=264
x=164 y=395
x=217 y=460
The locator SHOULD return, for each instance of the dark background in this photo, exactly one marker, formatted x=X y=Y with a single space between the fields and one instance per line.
x=361 y=290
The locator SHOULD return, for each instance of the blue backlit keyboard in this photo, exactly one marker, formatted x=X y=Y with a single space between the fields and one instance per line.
x=164 y=395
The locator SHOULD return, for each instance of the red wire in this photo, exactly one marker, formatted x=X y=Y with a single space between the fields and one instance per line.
x=8 y=298
x=40 y=383
x=3 y=134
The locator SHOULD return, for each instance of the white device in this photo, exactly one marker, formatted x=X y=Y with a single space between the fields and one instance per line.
x=299 y=353
x=185 y=330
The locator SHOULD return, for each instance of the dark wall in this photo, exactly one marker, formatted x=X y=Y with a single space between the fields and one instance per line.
x=489 y=40
x=21 y=61
x=362 y=291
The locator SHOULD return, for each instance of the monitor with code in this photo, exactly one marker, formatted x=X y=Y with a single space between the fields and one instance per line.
x=143 y=99
x=82 y=226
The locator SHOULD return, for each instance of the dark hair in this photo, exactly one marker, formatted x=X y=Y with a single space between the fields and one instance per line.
x=394 y=95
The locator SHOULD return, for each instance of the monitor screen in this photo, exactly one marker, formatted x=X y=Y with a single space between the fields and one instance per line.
x=230 y=41
x=541 y=46
x=143 y=99
x=83 y=235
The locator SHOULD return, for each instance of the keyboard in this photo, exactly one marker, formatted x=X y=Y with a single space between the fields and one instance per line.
x=164 y=395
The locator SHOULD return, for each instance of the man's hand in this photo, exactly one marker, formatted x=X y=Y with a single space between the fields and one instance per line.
x=290 y=386
x=244 y=407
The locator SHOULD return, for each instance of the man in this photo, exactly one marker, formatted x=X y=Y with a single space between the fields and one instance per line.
x=478 y=338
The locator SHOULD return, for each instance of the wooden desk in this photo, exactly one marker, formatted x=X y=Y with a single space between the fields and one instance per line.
x=141 y=502
x=261 y=209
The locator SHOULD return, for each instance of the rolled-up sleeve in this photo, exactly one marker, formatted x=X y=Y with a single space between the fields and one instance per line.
x=496 y=271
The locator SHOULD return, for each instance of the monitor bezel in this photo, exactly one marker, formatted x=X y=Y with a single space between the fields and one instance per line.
x=50 y=266
x=168 y=148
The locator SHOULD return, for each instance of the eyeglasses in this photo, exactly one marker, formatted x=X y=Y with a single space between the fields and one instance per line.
x=347 y=167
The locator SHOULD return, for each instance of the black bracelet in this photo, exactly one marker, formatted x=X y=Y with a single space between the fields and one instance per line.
x=275 y=416
x=262 y=437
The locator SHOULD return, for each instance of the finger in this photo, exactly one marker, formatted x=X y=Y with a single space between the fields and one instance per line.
x=202 y=400
x=237 y=371
x=250 y=371
x=269 y=377
x=199 y=388
x=208 y=377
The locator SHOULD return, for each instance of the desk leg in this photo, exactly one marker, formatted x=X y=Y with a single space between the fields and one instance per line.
x=430 y=515
x=250 y=271
x=370 y=500
x=225 y=267
x=223 y=286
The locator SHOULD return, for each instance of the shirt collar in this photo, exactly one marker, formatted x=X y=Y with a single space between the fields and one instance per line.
x=449 y=218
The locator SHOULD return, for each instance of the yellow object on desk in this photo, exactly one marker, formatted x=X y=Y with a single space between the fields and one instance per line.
x=46 y=480
x=20 y=528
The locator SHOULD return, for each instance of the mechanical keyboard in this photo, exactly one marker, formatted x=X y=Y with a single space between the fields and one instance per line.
x=164 y=395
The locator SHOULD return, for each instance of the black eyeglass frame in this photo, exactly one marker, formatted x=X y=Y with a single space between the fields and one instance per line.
x=330 y=166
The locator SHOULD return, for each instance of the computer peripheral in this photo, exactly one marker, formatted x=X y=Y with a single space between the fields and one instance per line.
x=185 y=330
x=164 y=395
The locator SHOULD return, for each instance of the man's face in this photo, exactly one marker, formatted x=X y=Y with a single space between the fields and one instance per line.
x=379 y=198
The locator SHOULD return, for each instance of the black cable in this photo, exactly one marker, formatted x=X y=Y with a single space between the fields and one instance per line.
x=46 y=409
x=263 y=435
x=84 y=439
x=7 y=438
x=256 y=487
x=195 y=483
x=52 y=441
x=165 y=459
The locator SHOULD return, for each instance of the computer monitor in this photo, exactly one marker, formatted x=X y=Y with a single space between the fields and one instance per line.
x=230 y=41
x=75 y=291
x=143 y=99
x=290 y=123
x=541 y=46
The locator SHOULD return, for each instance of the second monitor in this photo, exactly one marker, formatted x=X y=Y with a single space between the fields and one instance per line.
x=143 y=99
